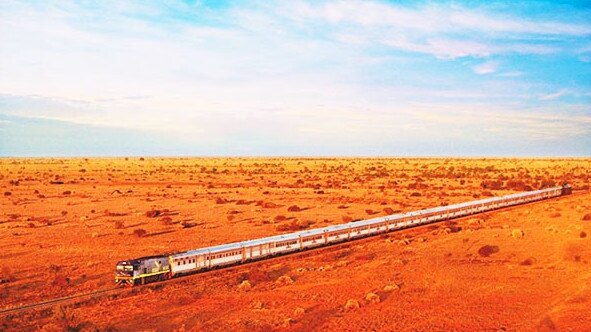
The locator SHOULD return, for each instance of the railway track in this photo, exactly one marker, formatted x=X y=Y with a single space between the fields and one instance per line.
x=231 y=269
x=61 y=300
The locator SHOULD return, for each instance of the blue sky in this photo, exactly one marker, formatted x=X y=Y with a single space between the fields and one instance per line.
x=304 y=78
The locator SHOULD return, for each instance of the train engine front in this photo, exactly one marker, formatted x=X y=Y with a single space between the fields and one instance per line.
x=142 y=270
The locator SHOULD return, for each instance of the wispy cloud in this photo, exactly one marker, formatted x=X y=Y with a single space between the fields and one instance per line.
x=554 y=95
x=487 y=67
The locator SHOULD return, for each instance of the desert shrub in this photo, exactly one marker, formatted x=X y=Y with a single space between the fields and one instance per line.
x=368 y=256
x=114 y=214
x=555 y=215
x=391 y=287
x=583 y=235
x=119 y=224
x=352 y=304
x=293 y=208
x=517 y=233
x=346 y=219
x=245 y=286
x=65 y=318
x=67 y=192
x=284 y=280
x=488 y=250
x=587 y=217
x=280 y=217
x=388 y=210
x=270 y=205
x=153 y=213
x=220 y=200
x=7 y=193
x=528 y=261
x=415 y=194
x=60 y=281
x=140 y=232
x=166 y=220
x=299 y=311
x=517 y=185
x=372 y=298
x=285 y=227
x=7 y=275
x=491 y=185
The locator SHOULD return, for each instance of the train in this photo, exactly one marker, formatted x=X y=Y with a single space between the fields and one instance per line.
x=148 y=269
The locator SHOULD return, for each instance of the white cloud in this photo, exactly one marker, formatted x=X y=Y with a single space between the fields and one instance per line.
x=555 y=95
x=484 y=68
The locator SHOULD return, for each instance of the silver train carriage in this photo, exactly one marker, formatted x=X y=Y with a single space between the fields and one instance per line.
x=154 y=268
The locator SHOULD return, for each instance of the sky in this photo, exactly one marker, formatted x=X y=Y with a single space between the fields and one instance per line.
x=295 y=78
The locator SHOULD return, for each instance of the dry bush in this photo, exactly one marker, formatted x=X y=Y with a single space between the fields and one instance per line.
x=372 y=298
x=270 y=205
x=284 y=227
x=284 y=280
x=61 y=281
x=166 y=220
x=391 y=287
x=583 y=235
x=7 y=193
x=346 y=219
x=368 y=256
x=491 y=185
x=220 y=200
x=140 y=232
x=65 y=318
x=528 y=261
x=115 y=214
x=67 y=192
x=517 y=233
x=299 y=311
x=388 y=210
x=294 y=208
x=587 y=217
x=415 y=194
x=257 y=305
x=245 y=286
x=352 y=304
x=119 y=224
x=280 y=217
x=153 y=213
x=7 y=275
x=488 y=250
x=555 y=215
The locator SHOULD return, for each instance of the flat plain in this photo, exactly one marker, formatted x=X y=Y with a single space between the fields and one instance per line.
x=64 y=223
